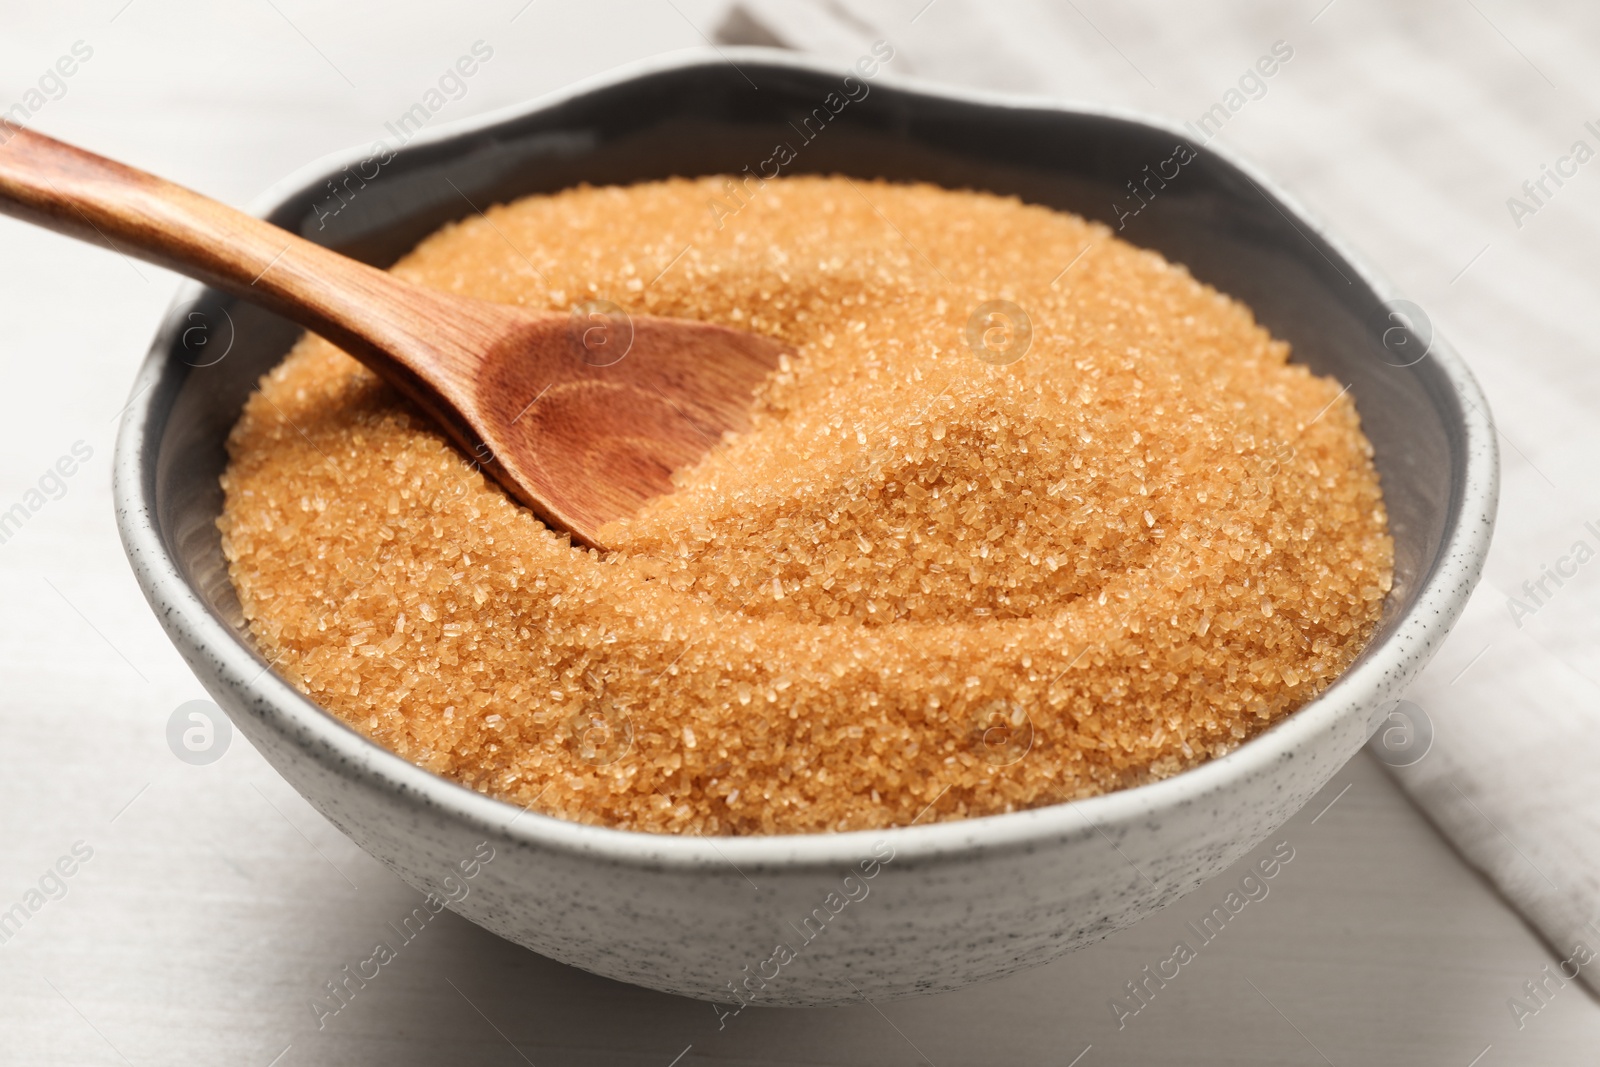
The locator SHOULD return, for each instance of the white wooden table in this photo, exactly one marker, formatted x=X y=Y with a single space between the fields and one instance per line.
x=216 y=902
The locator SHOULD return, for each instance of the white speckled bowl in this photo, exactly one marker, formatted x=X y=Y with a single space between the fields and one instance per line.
x=958 y=902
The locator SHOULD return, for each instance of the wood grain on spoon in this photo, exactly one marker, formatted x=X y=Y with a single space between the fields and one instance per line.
x=581 y=417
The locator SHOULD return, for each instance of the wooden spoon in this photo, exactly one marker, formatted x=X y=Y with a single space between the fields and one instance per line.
x=581 y=417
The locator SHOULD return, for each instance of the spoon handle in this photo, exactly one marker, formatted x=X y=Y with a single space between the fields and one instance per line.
x=392 y=326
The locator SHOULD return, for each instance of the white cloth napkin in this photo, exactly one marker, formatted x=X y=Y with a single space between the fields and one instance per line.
x=1412 y=142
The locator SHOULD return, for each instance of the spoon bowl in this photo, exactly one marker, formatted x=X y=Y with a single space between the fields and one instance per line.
x=950 y=903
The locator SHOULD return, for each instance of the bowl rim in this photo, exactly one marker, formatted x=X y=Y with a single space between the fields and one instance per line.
x=1441 y=596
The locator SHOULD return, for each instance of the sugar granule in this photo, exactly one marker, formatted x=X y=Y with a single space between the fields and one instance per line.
x=924 y=586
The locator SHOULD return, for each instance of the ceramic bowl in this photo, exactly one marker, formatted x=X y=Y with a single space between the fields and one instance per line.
x=824 y=918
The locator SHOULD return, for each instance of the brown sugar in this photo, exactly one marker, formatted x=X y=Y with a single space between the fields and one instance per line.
x=925 y=585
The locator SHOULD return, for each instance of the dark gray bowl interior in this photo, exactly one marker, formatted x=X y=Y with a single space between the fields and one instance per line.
x=704 y=118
